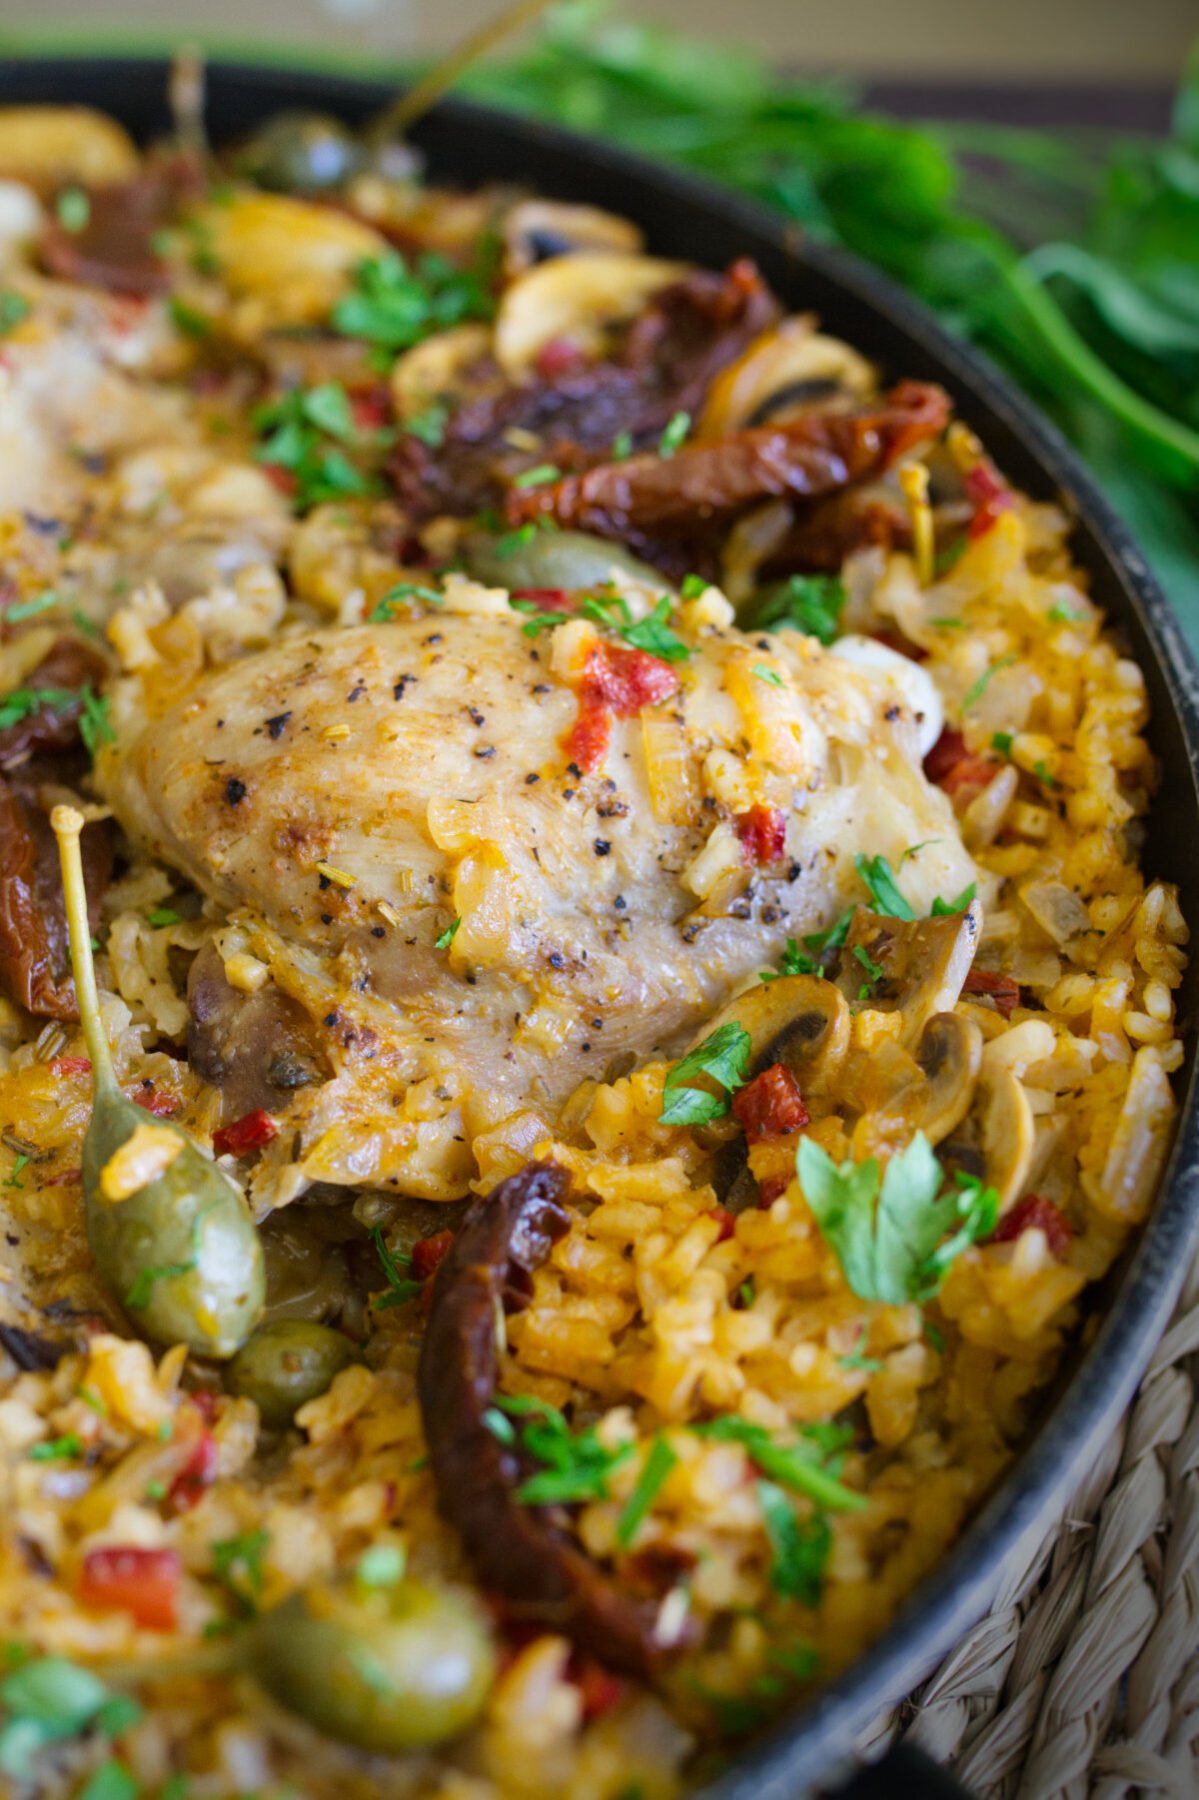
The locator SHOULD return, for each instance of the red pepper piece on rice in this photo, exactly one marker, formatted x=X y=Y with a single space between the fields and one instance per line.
x=990 y=498
x=771 y=1105
x=1002 y=989
x=428 y=1252
x=762 y=833
x=198 y=1472
x=1035 y=1212
x=617 y=682
x=127 y=1578
x=250 y=1132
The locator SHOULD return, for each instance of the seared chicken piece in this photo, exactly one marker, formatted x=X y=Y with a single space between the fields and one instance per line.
x=395 y=802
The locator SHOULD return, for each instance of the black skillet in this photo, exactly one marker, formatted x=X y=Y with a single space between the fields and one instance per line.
x=812 y=1748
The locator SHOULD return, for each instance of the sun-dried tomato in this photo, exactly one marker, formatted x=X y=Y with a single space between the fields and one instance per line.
x=990 y=498
x=248 y=1133
x=1002 y=989
x=771 y=1105
x=617 y=682
x=599 y=1689
x=197 y=1473
x=725 y=1220
x=127 y=1578
x=428 y=1252
x=762 y=832
x=1034 y=1211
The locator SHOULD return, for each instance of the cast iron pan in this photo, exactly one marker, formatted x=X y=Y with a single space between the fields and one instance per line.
x=471 y=145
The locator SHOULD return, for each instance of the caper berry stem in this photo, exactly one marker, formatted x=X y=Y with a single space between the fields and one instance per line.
x=67 y=824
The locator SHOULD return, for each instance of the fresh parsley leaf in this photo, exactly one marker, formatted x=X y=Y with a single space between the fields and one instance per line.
x=869 y=1365
x=428 y=425
x=23 y=703
x=802 y=1466
x=13 y=1178
x=46 y=1700
x=893 y=1251
x=694 y=587
x=811 y=603
x=73 y=208
x=943 y=909
x=541 y=476
x=622 y=446
x=511 y=541
x=576 y=1465
x=1062 y=615
x=793 y=961
x=163 y=915
x=393 y=305
x=447 y=937
x=13 y=308
x=111 y=1781
x=834 y=937
x=766 y=674
x=403 y=594
x=59 y=1449
x=975 y=693
x=675 y=434
x=237 y=1565
x=653 y=635
x=724 y=1059
x=879 y=878
x=188 y=320
x=29 y=609
x=799 y=1551
x=297 y=425
x=873 y=970
x=1041 y=771
x=657 y=1467
x=400 y=1288
x=95 y=726
x=1002 y=741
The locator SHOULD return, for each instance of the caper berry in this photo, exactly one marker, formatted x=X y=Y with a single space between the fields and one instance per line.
x=285 y=1364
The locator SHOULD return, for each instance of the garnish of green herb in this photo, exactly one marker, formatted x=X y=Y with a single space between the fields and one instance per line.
x=1062 y=615
x=832 y=939
x=447 y=937
x=943 y=909
x=655 y=1471
x=22 y=703
x=694 y=587
x=1041 y=771
x=867 y=1365
x=811 y=603
x=766 y=674
x=576 y=1466
x=807 y=1466
x=394 y=305
x=400 y=1288
x=29 y=609
x=675 y=434
x=799 y=1549
x=787 y=1667
x=59 y=1449
x=48 y=1699
x=541 y=476
x=1002 y=741
x=380 y=1566
x=723 y=1059
x=191 y=322
x=113 y=1780
x=890 y=1235
x=622 y=446
x=653 y=635
x=13 y=308
x=879 y=878
x=95 y=725
x=307 y=432
x=237 y=1565
x=163 y=915
x=873 y=970
x=976 y=691
x=428 y=425
x=403 y=594
x=73 y=209
x=793 y=961
x=13 y=1178
x=141 y=1292
x=537 y=621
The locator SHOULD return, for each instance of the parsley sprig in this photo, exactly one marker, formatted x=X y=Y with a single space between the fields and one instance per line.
x=308 y=433
x=723 y=1059
x=394 y=304
x=576 y=1465
x=811 y=603
x=889 y=1234
x=49 y=1699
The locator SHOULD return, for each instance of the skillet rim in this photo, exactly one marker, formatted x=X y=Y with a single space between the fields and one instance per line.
x=815 y=1740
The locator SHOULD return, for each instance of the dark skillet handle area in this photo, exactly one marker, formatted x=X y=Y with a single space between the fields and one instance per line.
x=682 y=218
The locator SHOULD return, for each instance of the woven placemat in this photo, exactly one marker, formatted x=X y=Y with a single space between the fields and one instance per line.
x=1082 y=1683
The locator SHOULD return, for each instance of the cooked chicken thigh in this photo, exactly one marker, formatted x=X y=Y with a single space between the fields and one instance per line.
x=395 y=802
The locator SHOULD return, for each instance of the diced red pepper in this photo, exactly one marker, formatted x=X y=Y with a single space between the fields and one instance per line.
x=64 y=1066
x=952 y=767
x=549 y=599
x=197 y=1473
x=154 y=1100
x=990 y=498
x=428 y=1252
x=1002 y=989
x=948 y=751
x=771 y=1105
x=617 y=682
x=250 y=1132
x=763 y=835
x=725 y=1220
x=371 y=407
x=205 y=1403
x=1044 y=1215
x=561 y=356
x=598 y=1687
x=126 y=1578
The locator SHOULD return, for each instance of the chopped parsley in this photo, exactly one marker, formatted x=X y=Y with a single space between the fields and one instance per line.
x=447 y=936
x=675 y=435
x=576 y=1466
x=655 y=636
x=428 y=425
x=869 y=1365
x=188 y=320
x=811 y=603
x=22 y=703
x=113 y=1780
x=49 y=1699
x=541 y=476
x=29 y=609
x=73 y=208
x=393 y=305
x=13 y=308
x=403 y=594
x=141 y=1293
x=799 y=1549
x=765 y=674
x=536 y=620
x=896 y=1250
x=1062 y=615
x=975 y=693
x=787 y=1665
x=237 y=1565
x=874 y=971
x=793 y=961
x=1002 y=741
x=13 y=1178
x=658 y=1465
x=163 y=915
x=943 y=909
x=95 y=725
x=694 y=587
x=832 y=939
x=59 y=1449
x=380 y=1566
x=307 y=433
x=401 y=1288
x=1041 y=771
x=807 y=1466
x=879 y=878
x=622 y=446
x=724 y=1059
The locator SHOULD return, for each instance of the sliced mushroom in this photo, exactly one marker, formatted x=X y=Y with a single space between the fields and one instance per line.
x=580 y=297
x=923 y=963
x=48 y=145
x=783 y=372
x=949 y=1058
x=537 y=230
x=1008 y=1137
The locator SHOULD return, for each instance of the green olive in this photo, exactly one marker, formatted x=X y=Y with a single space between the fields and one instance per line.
x=554 y=559
x=171 y=1234
x=287 y=1363
x=300 y=152
x=386 y=1669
